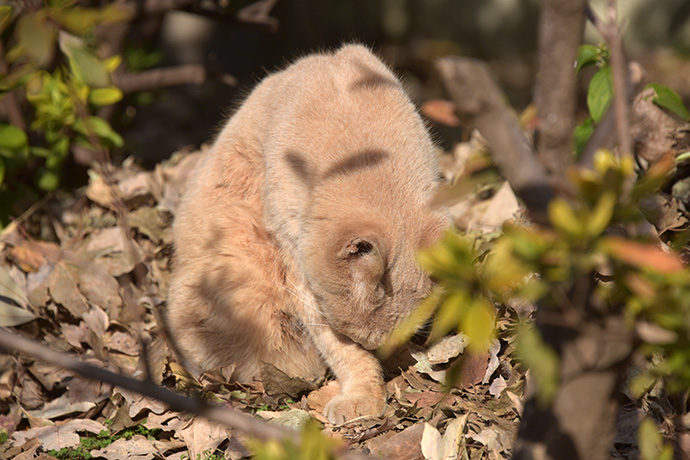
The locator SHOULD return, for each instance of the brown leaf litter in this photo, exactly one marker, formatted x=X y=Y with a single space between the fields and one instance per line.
x=98 y=285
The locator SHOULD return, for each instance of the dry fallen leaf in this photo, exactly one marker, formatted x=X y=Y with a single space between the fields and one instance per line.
x=201 y=435
x=446 y=447
x=62 y=406
x=62 y=434
x=405 y=445
x=136 y=448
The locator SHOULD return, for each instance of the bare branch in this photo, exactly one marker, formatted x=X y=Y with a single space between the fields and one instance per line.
x=225 y=416
x=168 y=76
x=561 y=27
x=622 y=86
x=478 y=98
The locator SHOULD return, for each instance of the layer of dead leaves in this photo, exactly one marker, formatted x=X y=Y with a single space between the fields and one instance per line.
x=94 y=284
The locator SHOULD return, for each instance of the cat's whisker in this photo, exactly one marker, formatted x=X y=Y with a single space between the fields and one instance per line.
x=300 y=295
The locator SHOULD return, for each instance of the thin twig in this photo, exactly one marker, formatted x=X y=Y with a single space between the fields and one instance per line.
x=169 y=76
x=620 y=97
x=610 y=31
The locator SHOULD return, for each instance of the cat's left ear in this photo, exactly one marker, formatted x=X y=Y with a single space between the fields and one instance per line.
x=363 y=256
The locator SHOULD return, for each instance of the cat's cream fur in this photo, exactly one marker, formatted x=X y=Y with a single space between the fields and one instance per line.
x=296 y=238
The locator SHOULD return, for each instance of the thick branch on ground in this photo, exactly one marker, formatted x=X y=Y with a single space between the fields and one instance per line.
x=561 y=26
x=227 y=417
x=169 y=76
x=223 y=415
x=478 y=99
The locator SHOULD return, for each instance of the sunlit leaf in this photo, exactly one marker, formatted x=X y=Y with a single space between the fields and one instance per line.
x=601 y=215
x=83 y=63
x=563 y=217
x=669 y=99
x=412 y=323
x=112 y=63
x=105 y=96
x=479 y=325
x=641 y=384
x=600 y=94
x=649 y=439
x=36 y=37
x=448 y=315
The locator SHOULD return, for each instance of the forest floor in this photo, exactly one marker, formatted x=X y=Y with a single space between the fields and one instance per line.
x=95 y=282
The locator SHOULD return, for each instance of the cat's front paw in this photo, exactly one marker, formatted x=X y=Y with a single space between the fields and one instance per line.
x=346 y=407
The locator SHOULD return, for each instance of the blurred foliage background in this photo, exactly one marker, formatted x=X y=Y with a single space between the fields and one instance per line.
x=410 y=34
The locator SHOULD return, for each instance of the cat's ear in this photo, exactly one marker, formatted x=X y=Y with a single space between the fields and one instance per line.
x=364 y=259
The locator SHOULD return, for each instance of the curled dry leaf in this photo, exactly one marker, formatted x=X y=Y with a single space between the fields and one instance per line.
x=441 y=111
x=13 y=302
x=446 y=447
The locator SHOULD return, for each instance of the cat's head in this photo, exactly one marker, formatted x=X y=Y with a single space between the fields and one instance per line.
x=364 y=273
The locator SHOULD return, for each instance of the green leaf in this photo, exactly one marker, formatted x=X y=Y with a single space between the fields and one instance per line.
x=2 y=171
x=101 y=128
x=586 y=55
x=541 y=360
x=601 y=215
x=40 y=152
x=411 y=324
x=563 y=217
x=669 y=99
x=600 y=94
x=641 y=384
x=84 y=64
x=36 y=37
x=478 y=325
x=649 y=439
x=105 y=96
x=13 y=141
x=581 y=135
x=47 y=179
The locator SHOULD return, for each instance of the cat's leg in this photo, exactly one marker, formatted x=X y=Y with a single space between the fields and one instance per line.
x=362 y=391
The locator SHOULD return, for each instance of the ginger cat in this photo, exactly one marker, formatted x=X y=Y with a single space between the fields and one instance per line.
x=296 y=237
